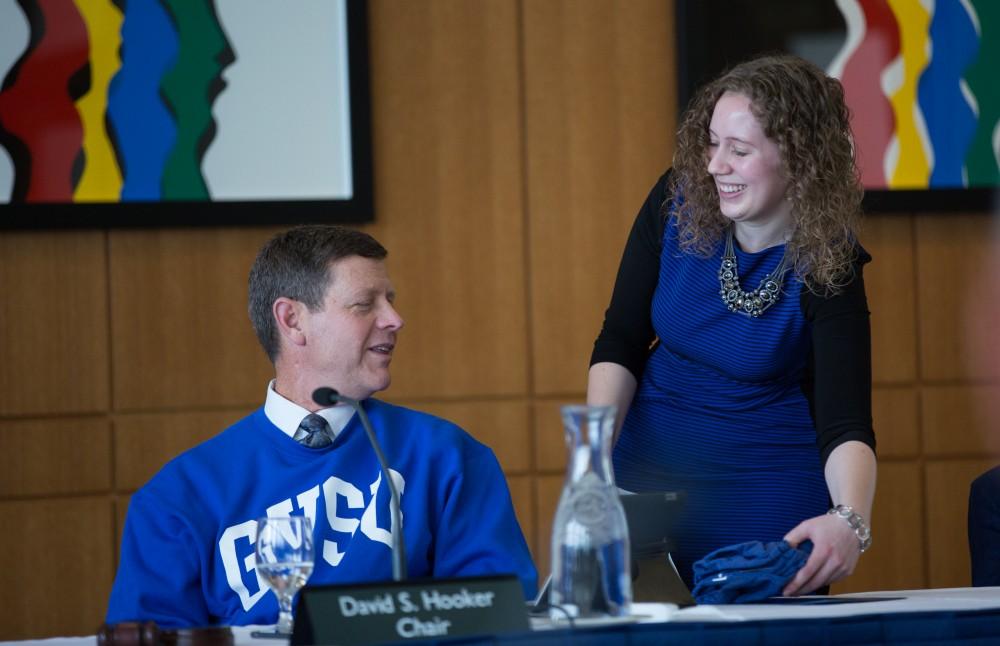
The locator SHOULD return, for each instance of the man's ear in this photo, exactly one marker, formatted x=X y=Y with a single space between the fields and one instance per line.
x=288 y=314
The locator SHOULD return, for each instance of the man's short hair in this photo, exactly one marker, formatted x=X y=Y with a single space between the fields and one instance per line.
x=296 y=264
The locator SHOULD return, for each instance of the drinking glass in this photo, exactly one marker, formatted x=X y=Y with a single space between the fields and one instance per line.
x=284 y=554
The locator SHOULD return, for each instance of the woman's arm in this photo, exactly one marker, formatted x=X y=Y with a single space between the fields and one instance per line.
x=622 y=346
x=611 y=384
x=850 y=477
x=841 y=403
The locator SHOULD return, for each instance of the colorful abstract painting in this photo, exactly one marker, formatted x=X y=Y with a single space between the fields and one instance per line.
x=921 y=80
x=164 y=101
x=920 y=77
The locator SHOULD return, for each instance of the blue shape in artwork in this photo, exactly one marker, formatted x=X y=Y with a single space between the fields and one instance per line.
x=144 y=129
x=951 y=121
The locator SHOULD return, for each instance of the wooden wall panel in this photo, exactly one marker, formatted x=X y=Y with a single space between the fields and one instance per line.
x=896 y=421
x=889 y=283
x=896 y=558
x=53 y=323
x=946 y=521
x=600 y=99
x=179 y=321
x=120 y=511
x=547 y=491
x=449 y=193
x=981 y=314
x=952 y=251
x=504 y=426
x=954 y=423
x=51 y=457
x=550 y=438
x=57 y=569
x=145 y=442
x=521 y=488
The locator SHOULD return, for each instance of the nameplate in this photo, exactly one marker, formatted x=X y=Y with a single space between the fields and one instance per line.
x=411 y=610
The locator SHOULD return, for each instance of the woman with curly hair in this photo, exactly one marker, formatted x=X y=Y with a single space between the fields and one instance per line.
x=737 y=339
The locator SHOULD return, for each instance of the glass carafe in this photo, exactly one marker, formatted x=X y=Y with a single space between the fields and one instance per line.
x=590 y=545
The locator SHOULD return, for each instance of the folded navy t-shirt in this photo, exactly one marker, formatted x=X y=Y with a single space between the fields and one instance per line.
x=747 y=572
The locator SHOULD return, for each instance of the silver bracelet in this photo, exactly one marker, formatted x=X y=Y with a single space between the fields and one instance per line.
x=857 y=523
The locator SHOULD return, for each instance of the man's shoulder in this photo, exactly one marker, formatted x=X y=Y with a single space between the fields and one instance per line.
x=206 y=454
x=422 y=426
x=987 y=485
x=395 y=415
x=228 y=438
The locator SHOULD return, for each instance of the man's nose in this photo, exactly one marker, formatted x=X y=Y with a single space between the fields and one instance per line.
x=390 y=318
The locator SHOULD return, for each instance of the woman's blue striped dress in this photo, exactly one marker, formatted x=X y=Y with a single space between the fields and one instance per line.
x=720 y=412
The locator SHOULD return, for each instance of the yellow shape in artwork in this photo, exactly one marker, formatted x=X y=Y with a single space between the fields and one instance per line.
x=101 y=180
x=913 y=167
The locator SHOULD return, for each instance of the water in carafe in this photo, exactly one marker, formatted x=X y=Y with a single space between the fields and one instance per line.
x=590 y=547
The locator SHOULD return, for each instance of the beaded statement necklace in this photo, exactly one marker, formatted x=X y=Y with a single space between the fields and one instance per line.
x=752 y=303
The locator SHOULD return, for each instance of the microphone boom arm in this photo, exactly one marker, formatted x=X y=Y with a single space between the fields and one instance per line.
x=327 y=396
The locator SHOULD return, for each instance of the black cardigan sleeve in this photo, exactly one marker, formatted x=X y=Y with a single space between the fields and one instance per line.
x=840 y=390
x=628 y=332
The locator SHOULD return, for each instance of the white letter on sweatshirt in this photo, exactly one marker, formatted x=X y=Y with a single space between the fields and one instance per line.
x=234 y=574
x=369 y=523
x=355 y=500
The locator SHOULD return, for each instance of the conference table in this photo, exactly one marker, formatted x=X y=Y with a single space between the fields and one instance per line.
x=932 y=616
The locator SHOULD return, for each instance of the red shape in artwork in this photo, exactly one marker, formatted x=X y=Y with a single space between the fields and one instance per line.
x=872 y=119
x=38 y=108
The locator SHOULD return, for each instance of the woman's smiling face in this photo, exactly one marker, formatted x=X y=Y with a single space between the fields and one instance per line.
x=746 y=164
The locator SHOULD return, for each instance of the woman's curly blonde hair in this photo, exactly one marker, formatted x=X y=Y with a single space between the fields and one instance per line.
x=802 y=110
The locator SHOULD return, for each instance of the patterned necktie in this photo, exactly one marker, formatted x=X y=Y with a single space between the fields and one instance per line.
x=313 y=432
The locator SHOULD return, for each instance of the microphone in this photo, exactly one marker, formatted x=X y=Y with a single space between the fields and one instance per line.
x=327 y=396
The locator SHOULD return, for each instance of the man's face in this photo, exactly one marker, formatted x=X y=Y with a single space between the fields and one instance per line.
x=349 y=342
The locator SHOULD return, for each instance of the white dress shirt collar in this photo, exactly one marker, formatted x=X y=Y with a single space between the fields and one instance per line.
x=287 y=415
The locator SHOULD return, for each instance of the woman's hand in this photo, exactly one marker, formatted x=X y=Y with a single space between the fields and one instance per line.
x=834 y=556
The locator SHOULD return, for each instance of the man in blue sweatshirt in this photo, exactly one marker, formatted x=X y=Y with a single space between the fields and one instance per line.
x=321 y=303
